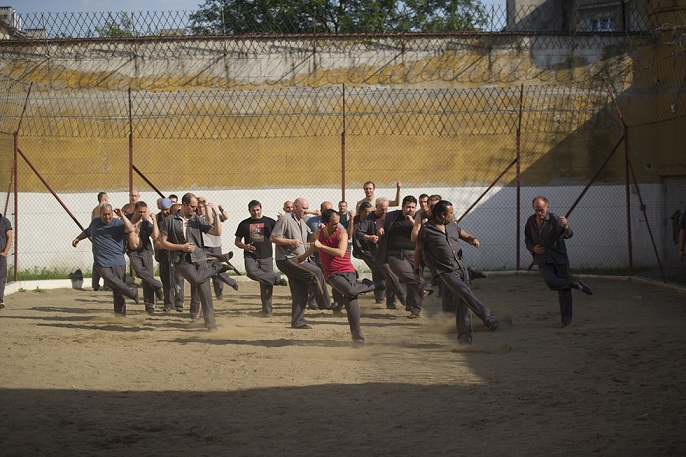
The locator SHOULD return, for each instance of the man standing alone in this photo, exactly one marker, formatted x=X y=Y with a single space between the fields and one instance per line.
x=545 y=235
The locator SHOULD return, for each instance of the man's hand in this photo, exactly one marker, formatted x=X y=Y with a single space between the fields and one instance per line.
x=562 y=222
x=538 y=249
x=296 y=243
x=188 y=247
x=76 y=241
x=249 y=247
x=373 y=238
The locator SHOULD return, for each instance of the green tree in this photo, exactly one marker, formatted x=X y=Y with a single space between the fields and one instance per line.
x=117 y=26
x=237 y=17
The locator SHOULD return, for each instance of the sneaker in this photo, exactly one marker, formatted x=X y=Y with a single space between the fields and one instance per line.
x=584 y=288
x=235 y=286
x=283 y=282
x=219 y=297
x=2 y=305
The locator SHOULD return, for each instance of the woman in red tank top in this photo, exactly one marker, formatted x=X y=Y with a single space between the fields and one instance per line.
x=332 y=243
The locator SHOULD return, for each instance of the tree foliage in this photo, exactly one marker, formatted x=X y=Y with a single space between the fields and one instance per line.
x=117 y=26
x=238 y=17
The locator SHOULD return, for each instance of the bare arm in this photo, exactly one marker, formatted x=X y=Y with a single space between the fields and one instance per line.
x=417 y=225
x=471 y=239
x=217 y=227
x=8 y=235
x=418 y=256
x=396 y=202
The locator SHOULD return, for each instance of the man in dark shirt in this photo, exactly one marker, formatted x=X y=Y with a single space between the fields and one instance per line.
x=172 y=298
x=439 y=239
x=397 y=248
x=181 y=233
x=5 y=243
x=252 y=235
x=141 y=255
x=545 y=235
x=369 y=233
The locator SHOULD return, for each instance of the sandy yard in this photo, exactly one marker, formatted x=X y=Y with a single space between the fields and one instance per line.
x=75 y=381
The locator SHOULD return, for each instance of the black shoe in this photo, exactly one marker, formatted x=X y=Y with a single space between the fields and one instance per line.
x=377 y=285
x=223 y=268
x=492 y=323
x=150 y=310
x=391 y=307
x=358 y=341
x=179 y=310
x=265 y=314
x=221 y=257
x=135 y=297
x=476 y=274
x=584 y=288
x=159 y=293
x=283 y=282
x=96 y=288
x=302 y=327
x=212 y=329
x=219 y=297
x=234 y=286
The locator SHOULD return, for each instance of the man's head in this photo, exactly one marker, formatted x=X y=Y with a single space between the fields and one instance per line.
x=103 y=198
x=324 y=206
x=134 y=195
x=255 y=209
x=369 y=189
x=433 y=199
x=330 y=219
x=300 y=206
x=409 y=206
x=106 y=213
x=139 y=210
x=165 y=206
x=342 y=207
x=174 y=199
x=202 y=206
x=423 y=202
x=443 y=212
x=540 y=206
x=287 y=206
x=381 y=206
x=365 y=209
x=189 y=205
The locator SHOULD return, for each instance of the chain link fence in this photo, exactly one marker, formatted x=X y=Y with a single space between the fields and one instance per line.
x=246 y=19
x=582 y=145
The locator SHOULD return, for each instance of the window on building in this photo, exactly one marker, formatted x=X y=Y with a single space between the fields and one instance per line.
x=605 y=24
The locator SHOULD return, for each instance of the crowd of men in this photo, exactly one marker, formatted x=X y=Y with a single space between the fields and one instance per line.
x=312 y=254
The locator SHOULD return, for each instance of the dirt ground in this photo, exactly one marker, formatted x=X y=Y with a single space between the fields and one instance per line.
x=75 y=381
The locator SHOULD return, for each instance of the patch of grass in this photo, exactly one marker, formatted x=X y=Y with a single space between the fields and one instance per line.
x=42 y=273
x=21 y=289
x=38 y=290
